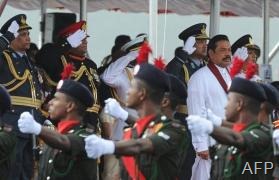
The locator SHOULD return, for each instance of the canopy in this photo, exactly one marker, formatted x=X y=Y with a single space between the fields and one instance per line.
x=182 y=7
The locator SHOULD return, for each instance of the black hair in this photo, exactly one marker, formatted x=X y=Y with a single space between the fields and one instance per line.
x=80 y=107
x=156 y=95
x=212 y=44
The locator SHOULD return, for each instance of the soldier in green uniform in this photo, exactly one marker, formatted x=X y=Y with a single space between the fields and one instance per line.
x=173 y=107
x=69 y=52
x=65 y=156
x=191 y=57
x=155 y=143
x=7 y=137
x=20 y=78
x=245 y=149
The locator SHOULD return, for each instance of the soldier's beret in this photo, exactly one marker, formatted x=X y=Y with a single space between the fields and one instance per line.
x=272 y=94
x=152 y=76
x=76 y=90
x=64 y=33
x=248 y=88
x=135 y=43
x=5 y=100
x=177 y=88
x=244 y=41
x=197 y=30
x=20 y=19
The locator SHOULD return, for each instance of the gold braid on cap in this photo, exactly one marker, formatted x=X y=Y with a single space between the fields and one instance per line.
x=203 y=30
x=83 y=27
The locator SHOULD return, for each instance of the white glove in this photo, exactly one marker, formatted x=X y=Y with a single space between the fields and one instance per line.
x=199 y=125
x=189 y=45
x=14 y=27
x=114 y=109
x=209 y=115
x=76 y=38
x=27 y=124
x=96 y=146
x=241 y=53
x=276 y=136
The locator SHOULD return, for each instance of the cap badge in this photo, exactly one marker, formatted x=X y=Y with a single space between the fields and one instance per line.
x=83 y=27
x=203 y=30
x=22 y=20
x=250 y=41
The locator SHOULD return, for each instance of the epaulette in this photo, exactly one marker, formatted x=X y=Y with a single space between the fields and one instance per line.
x=178 y=124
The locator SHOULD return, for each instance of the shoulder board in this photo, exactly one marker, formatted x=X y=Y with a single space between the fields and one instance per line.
x=178 y=124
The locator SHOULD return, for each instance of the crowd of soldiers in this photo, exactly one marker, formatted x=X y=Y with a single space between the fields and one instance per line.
x=205 y=115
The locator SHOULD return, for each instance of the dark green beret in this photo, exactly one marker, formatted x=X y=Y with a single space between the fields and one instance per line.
x=177 y=88
x=76 y=90
x=272 y=94
x=152 y=76
x=248 y=88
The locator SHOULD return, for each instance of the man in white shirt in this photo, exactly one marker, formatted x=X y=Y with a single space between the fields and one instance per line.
x=207 y=89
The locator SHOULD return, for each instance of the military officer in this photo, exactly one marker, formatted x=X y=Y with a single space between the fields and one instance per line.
x=20 y=78
x=189 y=58
x=69 y=54
x=65 y=156
x=7 y=137
x=245 y=54
x=246 y=149
x=155 y=143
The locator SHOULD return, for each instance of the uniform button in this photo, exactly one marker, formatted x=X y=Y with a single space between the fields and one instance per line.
x=13 y=110
x=50 y=161
x=18 y=72
x=48 y=178
x=215 y=157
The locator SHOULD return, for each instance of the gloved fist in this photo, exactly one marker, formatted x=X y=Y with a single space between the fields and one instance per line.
x=241 y=53
x=96 y=146
x=276 y=136
x=199 y=125
x=114 y=109
x=76 y=38
x=209 y=115
x=27 y=124
x=14 y=27
x=189 y=45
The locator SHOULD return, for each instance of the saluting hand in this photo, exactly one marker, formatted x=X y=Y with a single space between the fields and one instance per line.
x=27 y=124
x=76 y=38
x=189 y=45
x=96 y=147
x=241 y=53
x=13 y=28
x=114 y=109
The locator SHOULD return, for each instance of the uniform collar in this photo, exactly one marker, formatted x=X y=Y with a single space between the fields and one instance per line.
x=65 y=125
x=76 y=57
